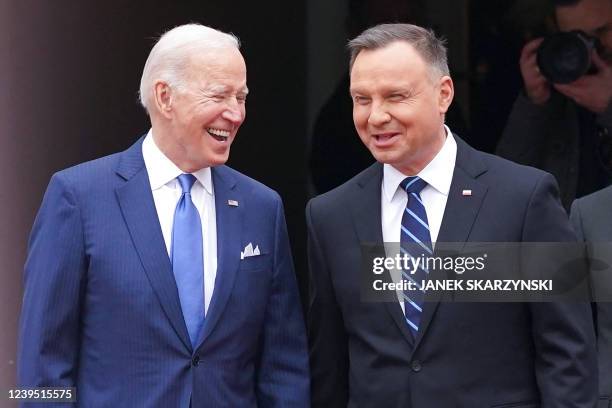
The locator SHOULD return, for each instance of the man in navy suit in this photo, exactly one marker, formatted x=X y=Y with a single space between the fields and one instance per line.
x=158 y=277
x=429 y=186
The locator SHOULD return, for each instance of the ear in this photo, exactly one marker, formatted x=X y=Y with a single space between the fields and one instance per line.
x=163 y=98
x=447 y=92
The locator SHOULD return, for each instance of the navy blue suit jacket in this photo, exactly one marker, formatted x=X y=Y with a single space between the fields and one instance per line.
x=101 y=310
x=466 y=355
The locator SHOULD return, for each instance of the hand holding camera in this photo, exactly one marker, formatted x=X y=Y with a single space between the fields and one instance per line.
x=537 y=86
x=568 y=61
x=593 y=92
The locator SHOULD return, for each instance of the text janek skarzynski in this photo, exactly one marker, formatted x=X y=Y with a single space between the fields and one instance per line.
x=409 y=265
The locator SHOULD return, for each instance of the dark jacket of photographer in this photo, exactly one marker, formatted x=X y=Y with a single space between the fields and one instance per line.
x=561 y=138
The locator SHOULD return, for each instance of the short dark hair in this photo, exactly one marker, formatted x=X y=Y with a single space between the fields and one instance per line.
x=431 y=48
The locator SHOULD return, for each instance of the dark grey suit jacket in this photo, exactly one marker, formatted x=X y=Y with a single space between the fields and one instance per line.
x=466 y=354
x=592 y=220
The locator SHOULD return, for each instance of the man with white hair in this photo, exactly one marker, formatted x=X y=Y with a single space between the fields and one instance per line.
x=158 y=277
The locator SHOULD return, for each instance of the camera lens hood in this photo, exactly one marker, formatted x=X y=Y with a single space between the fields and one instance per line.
x=564 y=57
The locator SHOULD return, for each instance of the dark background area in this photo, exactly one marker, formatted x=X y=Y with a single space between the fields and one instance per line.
x=70 y=73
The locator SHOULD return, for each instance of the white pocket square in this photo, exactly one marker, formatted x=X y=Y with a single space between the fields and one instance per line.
x=249 y=251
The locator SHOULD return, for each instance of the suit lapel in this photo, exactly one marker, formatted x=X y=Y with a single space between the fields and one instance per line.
x=138 y=208
x=229 y=239
x=459 y=215
x=366 y=214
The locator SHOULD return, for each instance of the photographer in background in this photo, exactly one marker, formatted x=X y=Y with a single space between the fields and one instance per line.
x=566 y=128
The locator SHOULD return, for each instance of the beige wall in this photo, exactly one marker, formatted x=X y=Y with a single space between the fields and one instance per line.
x=11 y=250
x=47 y=105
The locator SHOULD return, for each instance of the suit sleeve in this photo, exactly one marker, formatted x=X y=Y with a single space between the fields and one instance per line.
x=283 y=377
x=564 y=336
x=602 y=313
x=53 y=281
x=327 y=337
x=576 y=219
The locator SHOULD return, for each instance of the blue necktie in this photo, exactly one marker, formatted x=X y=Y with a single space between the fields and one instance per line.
x=187 y=258
x=415 y=241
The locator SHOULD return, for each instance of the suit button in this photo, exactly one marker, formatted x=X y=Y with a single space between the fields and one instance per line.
x=416 y=366
x=195 y=361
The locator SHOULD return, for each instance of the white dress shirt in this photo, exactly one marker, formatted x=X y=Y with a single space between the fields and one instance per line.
x=438 y=174
x=167 y=191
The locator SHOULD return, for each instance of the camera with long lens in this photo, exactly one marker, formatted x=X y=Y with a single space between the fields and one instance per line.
x=566 y=56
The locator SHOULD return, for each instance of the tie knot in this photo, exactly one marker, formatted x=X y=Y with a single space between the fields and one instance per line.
x=186 y=181
x=413 y=184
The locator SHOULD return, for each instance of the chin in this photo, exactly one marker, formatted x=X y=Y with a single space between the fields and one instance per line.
x=384 y=157
x=218 y=160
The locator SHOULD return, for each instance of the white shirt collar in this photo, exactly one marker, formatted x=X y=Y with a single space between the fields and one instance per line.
x=438 y=173
x=162 y=170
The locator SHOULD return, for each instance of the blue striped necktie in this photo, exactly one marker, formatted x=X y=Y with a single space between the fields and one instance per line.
x=415 y=241
x=188 y=259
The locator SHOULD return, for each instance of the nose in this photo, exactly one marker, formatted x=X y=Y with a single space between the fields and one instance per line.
x=378 y=115
x=235 y=111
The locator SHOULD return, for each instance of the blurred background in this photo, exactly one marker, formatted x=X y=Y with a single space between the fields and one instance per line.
x=70 y=72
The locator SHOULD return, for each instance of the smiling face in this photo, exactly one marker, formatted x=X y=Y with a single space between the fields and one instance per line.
x=399 y=105
x=200 y=120
x=594 y=17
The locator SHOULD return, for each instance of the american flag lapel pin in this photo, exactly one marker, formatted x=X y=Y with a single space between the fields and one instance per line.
x=232 y=203
x=466 y=193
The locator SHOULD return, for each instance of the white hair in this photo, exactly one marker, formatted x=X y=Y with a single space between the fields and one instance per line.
x=170 y=56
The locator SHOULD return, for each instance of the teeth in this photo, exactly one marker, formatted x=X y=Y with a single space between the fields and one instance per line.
x=218 y=132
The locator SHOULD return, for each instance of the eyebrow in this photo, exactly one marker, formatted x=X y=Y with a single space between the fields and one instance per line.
x=223 y=89
x=390 y=90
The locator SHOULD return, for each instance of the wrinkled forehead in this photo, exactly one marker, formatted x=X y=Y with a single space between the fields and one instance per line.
x=219 y=68
x=394 y=66
x=226 y=58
